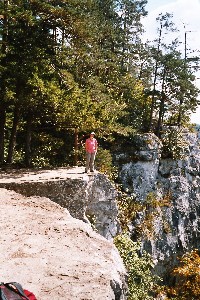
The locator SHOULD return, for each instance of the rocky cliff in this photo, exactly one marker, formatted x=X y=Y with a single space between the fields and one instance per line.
x=171 y=186
x=49 y=246
x=87 y=197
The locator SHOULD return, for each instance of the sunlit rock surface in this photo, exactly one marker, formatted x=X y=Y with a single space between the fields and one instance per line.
x=87 y=197
x=55 y=255
x=175 y=185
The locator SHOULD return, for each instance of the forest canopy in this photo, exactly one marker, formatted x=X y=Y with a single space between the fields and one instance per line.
x=69 y=67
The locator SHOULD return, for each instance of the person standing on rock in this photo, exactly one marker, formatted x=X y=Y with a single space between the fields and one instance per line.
x=91 y=146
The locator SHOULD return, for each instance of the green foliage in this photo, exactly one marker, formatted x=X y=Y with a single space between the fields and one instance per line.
x=104 y=163
x=174 y=143
x=46 y=151
x=152 y=211
x=141 y=282
x=174 y=94
x=128 y=209
x=148 y=210
x=81 y=64
x=136 y=111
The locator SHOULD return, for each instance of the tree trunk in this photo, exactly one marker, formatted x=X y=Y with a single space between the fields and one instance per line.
x=2 y=131
x=2 y=82
x=179 y=119
x=28 y=142
x=76 y=147
x=162 y=105
x=12 y=142
x=155 y=79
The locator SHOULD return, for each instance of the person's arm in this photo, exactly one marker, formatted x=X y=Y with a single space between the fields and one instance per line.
x=86 y=145
x=96 y=145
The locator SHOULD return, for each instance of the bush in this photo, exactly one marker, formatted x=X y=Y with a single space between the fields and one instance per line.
x=141 y=282
x=104 y=164
x=174 y=143
x=187 y=278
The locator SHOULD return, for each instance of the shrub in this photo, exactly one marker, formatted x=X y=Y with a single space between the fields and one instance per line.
x=104 y=163
x=141 y=282
x=175 y=145
x=187 y=278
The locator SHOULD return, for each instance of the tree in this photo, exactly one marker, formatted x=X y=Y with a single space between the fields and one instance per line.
x=165 y=24
x=27 y=59
x=131 y=13
x=60 y=43
x=80 y=65
x=178 y=84
x=174 y=94
x=187 y=278
x=3 y=62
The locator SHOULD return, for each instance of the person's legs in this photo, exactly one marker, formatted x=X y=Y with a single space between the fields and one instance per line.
x=92 y=159
x=88 y=157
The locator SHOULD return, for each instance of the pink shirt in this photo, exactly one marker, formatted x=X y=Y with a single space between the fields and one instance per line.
x=91 y=145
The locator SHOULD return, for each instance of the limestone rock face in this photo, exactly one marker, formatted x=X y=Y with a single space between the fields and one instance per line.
x=86 y=196
x=175 y=184
x=139 y=176
x=55 y=255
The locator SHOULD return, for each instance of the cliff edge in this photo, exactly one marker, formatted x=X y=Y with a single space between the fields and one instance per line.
x=91 y=198
x=55 y=255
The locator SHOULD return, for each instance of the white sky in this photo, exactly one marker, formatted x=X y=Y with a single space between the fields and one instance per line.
x=186 y=18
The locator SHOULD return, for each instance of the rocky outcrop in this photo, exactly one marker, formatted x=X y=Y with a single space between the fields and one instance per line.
x=87 y=197
x=139 y=174
x=167 y=187
x=172 y=187
x=55 y=255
